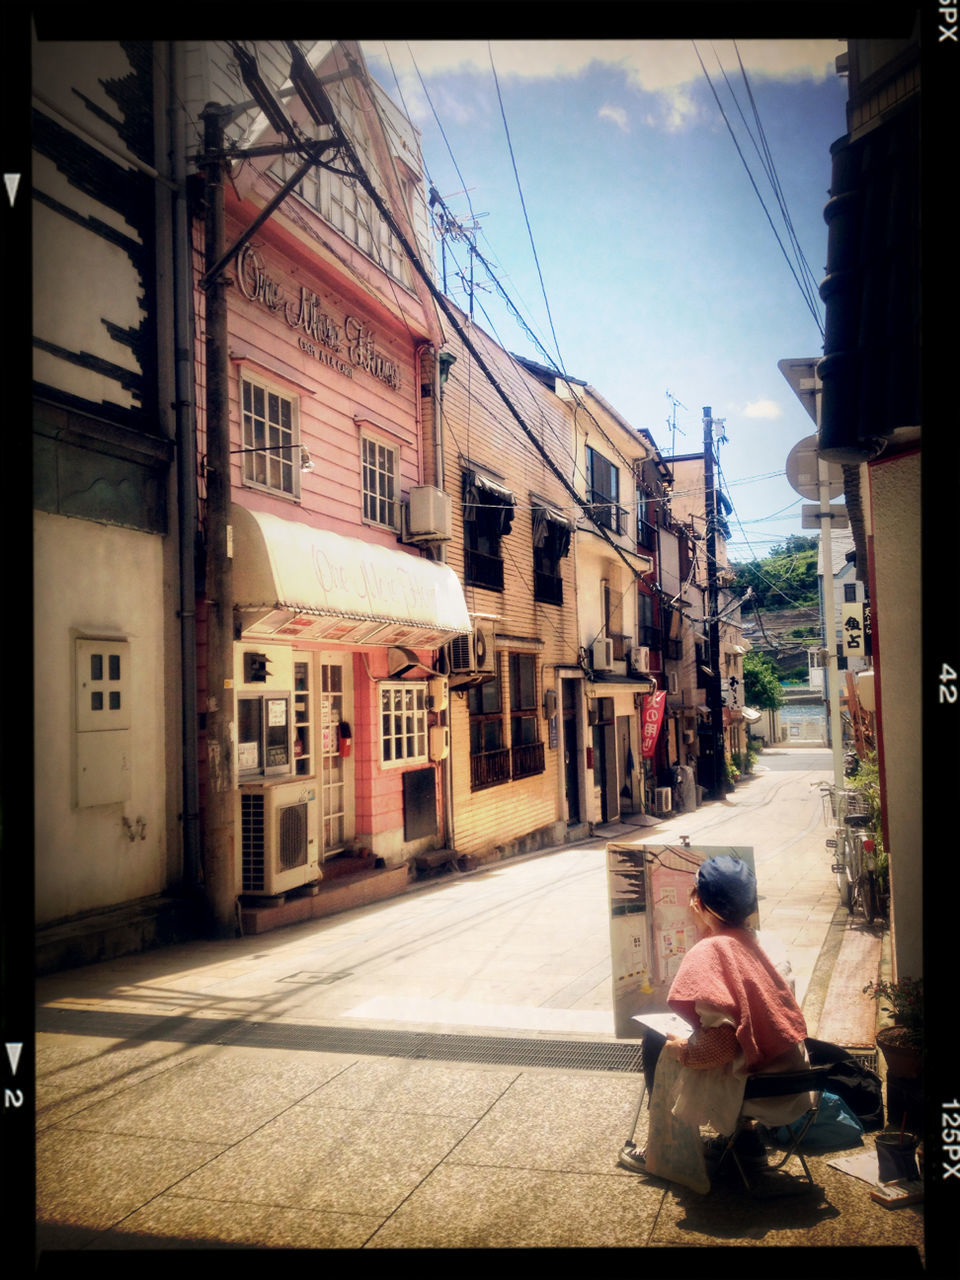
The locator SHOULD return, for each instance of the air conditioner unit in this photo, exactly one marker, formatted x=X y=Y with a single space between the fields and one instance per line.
x=426 y=515
x=603 y=654
x=640 y=659
x=474 y=654
x=279 y=849
x=663 y=800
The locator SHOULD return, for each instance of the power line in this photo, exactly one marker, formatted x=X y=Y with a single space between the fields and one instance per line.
x=726 y=121
x=523 y=203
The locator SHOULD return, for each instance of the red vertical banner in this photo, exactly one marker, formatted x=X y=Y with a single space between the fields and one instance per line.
x=651 y=719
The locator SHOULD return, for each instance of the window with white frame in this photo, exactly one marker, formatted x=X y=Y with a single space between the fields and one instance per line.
x=403 y=722
x=271 y=437
x=381 y=464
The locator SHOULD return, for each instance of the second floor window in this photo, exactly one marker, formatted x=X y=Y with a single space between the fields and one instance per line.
x=380 y=466
x=551 y=543
x=271 y=438
x=603 y=483
x=487 y=516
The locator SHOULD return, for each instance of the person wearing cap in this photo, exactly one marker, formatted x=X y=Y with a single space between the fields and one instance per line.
x=744 y=1020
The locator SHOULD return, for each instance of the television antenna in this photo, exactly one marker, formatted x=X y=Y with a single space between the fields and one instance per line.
x=672 y=422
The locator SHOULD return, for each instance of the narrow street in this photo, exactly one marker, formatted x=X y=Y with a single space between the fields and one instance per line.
x=435 y=1071
x=521 y=946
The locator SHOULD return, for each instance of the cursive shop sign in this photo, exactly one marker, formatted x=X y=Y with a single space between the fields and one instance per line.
x=375 y=583
x=343 y=346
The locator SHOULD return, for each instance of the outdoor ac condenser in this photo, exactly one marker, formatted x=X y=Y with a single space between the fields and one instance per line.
x=279 y=848
x=603 y=654
x=663 y=800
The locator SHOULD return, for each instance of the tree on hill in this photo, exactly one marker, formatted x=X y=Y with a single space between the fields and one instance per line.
x=785 y=579
x=761 y=685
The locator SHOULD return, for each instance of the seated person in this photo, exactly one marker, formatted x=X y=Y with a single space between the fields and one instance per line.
x=745 y=1021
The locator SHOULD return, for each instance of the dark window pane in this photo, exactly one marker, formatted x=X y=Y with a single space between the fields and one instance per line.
x=96 y=666
x=96 y=702
x=114 y=666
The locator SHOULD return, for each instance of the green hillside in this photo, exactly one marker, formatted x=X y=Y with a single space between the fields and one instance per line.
x=786 y=579
x=782 y=616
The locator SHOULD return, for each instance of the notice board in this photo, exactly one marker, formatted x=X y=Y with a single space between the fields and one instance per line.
x=651 y=924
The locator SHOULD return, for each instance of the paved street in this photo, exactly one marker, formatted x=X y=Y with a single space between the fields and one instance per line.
x=378 y=1079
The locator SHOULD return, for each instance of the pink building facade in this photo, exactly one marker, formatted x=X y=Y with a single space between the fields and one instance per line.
x=341 y=601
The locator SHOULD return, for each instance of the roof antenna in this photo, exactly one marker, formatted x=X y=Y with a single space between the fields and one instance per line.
x=673 y=424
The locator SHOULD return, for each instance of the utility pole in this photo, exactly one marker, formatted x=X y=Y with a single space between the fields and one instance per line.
x=218 y=841
x=714 y=696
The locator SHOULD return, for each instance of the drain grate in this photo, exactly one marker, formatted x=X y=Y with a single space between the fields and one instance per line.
x=567 y=1055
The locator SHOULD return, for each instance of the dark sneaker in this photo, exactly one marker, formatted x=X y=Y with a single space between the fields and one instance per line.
x=632 y=1158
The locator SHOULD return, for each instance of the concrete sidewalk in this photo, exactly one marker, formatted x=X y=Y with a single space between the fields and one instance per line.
x=176 y=1112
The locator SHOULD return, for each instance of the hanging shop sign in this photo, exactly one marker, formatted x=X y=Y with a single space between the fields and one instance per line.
x=343 y=345
x=852 y=625
x=651 y=719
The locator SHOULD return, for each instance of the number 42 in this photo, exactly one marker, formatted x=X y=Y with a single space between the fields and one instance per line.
x=948 y=686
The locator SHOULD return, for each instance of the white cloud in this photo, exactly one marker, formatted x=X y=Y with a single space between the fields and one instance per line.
x=617 y=115
x=762 y=409
x=668 y=69
x=650 y=65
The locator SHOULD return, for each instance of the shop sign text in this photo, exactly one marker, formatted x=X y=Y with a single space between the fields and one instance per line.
x=343 y=347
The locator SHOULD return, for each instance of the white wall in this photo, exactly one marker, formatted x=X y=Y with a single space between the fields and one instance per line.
x=99 y=581
x=897 y=603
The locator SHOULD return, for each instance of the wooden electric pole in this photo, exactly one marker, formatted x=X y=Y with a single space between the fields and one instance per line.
x=219 y=870
x=714 y=694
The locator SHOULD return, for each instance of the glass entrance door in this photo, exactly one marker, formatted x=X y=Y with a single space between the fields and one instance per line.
x=336 y=760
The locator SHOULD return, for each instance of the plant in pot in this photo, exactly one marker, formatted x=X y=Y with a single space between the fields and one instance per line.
x=901 y=1043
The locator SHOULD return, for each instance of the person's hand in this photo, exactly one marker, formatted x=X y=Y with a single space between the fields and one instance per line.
x=674 y=1047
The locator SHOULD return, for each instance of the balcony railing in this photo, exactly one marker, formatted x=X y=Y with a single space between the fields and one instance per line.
x=606 y=512
x=489 y=768
x=481 y=570
x=527 y=759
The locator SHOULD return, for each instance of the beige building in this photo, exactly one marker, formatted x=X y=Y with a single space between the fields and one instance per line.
x=515 y=715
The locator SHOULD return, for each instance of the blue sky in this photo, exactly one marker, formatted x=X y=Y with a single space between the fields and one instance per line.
x=659 y=264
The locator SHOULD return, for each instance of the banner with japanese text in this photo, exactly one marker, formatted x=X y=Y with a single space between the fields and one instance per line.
x=651 y=719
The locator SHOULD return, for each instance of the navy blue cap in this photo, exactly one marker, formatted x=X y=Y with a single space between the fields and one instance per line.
x=728 y=887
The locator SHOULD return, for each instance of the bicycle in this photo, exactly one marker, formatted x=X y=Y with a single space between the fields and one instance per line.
x=854 y=865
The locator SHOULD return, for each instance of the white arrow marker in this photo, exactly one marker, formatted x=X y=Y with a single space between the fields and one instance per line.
x=13 y=1053
x=11 y=181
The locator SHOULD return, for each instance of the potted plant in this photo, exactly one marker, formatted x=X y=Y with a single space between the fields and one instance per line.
x=901 y=1042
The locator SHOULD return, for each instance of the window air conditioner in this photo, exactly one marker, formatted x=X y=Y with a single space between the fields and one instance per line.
x=640 y=659
x=278 y=838
x=663 y=800
x=475 y=653
x=426 y=515
x=603 y=654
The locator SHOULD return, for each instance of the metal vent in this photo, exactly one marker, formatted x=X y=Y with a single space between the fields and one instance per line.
x=253 y=842
x=519 y=1051
x=292 y=837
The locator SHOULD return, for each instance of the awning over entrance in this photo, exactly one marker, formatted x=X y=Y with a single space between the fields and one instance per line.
x=294 y=582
